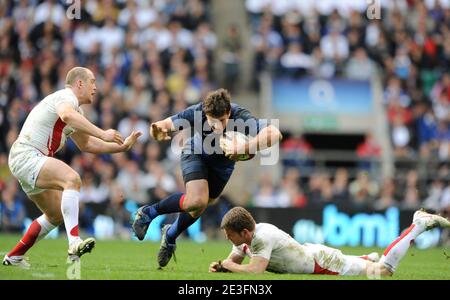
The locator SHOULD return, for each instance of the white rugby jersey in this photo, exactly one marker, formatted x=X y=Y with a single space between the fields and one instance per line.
x=43 y=129
x=285 y=254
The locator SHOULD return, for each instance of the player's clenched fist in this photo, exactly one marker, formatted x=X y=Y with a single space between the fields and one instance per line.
x=158 y=133
x=217 y=267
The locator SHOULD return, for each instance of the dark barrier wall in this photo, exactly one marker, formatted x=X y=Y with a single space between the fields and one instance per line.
x=343 y=227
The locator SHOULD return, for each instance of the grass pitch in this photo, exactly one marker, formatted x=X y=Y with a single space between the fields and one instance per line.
x=132 y=260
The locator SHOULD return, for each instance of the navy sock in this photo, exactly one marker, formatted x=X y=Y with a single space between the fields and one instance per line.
x=166 y=206
x=183 y=221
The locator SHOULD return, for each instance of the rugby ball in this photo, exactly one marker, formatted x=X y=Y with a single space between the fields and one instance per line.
x=238 y=138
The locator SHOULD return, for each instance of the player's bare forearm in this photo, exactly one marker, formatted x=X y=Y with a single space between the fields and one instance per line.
x=95 y=145
x=78 y=121
x=98 y=146
x=257 y=264
x=238 y=268
x=266 y=138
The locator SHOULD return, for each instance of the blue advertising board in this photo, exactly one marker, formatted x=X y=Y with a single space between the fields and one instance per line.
x=322 y=96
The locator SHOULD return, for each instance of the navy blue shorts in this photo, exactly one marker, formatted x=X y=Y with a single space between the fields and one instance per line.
x=196 y=167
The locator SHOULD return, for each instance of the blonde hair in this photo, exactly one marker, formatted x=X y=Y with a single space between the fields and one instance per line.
x=77 y=73
x=238 y=219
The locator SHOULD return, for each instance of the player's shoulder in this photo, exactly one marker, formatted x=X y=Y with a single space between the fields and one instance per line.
x=238 y=111
x=266 y=226
x=265 y=230
x=63 y=94
x=196 y=107
x=193 y=108
x=237 y=107
x=265 y=234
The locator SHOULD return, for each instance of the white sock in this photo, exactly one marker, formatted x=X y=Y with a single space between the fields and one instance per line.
x=397 y=250
x=69 y=208
x=46 y=227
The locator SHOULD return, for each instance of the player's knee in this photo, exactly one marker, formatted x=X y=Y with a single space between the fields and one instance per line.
x=55 y=220
x=198 y=212
x=73 y=181
x=197 y=203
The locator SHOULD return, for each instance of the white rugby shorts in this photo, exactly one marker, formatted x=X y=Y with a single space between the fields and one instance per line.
x=25 y=163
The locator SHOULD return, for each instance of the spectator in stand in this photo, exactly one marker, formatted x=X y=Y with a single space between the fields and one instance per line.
x=426 y=129
x=296 y=151
x=314 y=192
x=94 y=195
x=341 y=194
x=441 y=106
x=133 y=46
x=435 y=191
x=268 y=47
x=291 y=189
x=444 y=203
x=118 y=212
x=368 y=149
x=443 y=139
x=363 y=191
x=5 y=173
x=360 y=66
x=387 y=195
x=401 y=138
x=326 y=191
x=231 y=58
x=335 y=47
x=267 y=194
x=12 y=209
x=395 y=92
x=295 y=62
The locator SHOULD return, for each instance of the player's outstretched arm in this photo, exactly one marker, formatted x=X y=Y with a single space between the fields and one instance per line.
x=77 y=121
x=266 y=138
x=91 y=144
x=257 y=265
x=161 y=130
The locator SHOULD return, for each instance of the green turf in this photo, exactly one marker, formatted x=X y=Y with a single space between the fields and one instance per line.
x=137 y=260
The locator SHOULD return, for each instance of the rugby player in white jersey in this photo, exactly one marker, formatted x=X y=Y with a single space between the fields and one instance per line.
x=50 y=183
x=272 y=249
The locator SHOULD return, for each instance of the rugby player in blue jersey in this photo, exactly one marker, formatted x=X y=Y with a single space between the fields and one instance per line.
x=206 y=161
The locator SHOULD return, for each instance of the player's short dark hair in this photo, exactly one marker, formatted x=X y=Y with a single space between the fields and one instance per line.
x=217 y=103
x=238 y=219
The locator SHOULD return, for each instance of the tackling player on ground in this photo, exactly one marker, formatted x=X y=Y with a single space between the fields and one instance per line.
x=50 y=183
x=272 y=249
x=205 y=174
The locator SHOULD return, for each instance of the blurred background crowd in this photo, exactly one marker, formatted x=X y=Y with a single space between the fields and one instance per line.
x=155 y=58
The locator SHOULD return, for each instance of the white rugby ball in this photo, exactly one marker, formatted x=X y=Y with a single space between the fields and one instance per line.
x=238 y=138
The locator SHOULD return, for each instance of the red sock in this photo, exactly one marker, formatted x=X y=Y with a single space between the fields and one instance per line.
x=27 y=240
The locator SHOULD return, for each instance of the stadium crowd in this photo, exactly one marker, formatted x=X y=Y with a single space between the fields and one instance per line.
x=155 y=58
x=407 y=44
x=151 y=59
